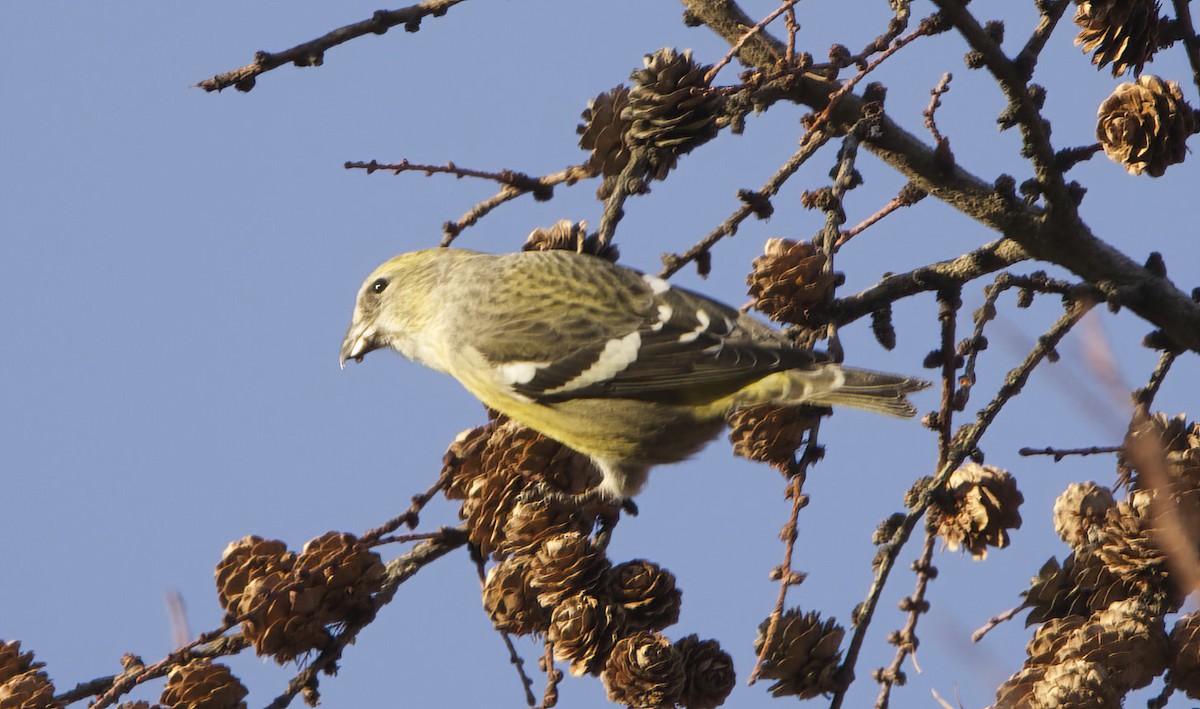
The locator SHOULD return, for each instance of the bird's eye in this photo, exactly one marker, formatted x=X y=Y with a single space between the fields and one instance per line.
x=379 y=285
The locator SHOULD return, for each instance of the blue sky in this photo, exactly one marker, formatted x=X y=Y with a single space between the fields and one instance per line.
x=178 y=269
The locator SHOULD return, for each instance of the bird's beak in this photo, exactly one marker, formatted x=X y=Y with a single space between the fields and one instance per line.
x=360 y=339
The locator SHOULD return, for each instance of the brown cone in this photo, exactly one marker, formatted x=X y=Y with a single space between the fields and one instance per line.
x=583 y=629
x=28 y=690
x=202 y=684
x=603 y=132
x=804 y=656
x=1075 y=684
x=1017 y=690
x=283 y=616
x=1185 y=655
x=490 y=500
x=647 y=592
x=708 y=673
x=567 y=235
x=13 y=662
x=566 y=565
x=769 y=434
x=462 y=463
x=1121 y=32
x=510 y=602
x=1050 y=637
x=245 y=560
x=1079 y=510
x=346 y=571
x=1129 y=549
x=671 y=110
x=644 y=671
x=789 y=283
x=984 y=504
x=1126 y=640
x=1145 y=125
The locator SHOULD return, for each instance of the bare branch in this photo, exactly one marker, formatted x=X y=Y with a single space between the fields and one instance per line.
x=312 y=53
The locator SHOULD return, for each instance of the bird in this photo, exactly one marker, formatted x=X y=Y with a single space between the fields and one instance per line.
x=616 y=364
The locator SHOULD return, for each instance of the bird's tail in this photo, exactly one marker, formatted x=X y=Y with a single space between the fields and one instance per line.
x=879 y=392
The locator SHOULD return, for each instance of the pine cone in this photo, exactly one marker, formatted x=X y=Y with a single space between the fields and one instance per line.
x=567 y=565
x=1128 y=548
x=463 y=464
x=583 y=629
x=283 y=616
x=1050 y=637
x=1075 y=684
x=708 y=673
x=768 y=433
x=1145 y=125
x=532 y=522
x=644 y=671
x=1126 y=639
x=490 y=500
x=1079 y=510
x=1185 y=655
x=789 y=282
x=13 y=662
x=567 y=235
x=347 y=573
x=1123 y=32
x=603 y=133
x=201 y=684
x=245 y=560
x=647 y=593
x=1082 y=585
x=1017 y=690
x=671 y=109
x=27 y=690
x=518 y=447
x=804 y=656
x=510 y=602
x=984 y=505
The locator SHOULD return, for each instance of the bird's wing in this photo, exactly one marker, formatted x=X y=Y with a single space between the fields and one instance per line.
x=643 y=338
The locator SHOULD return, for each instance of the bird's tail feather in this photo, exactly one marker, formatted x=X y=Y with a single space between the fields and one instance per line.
x=878 y=392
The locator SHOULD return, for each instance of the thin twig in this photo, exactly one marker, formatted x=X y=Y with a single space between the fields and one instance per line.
x=737 y=46
x=514 y=657
x=312 y=53
x=751 y=204
x=994 y=621
x=1026 y=59
x=906 y=638
x=935 y=102
x=409 y=518
x=797 y=472
x=451 y=230
x=1060 y=453
x=908 y=196
x=505 y=177
x=1191 y=43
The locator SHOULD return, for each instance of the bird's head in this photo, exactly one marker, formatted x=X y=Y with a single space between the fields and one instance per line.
x=393 y=303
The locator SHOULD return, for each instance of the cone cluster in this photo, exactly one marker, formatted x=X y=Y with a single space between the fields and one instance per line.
x=22 y=683
x=553 y=579
x=670 y=110
x=1102 y=613
x=981 y=503
x=289 y=602
x=202 y=684
x=1144 y=125
x=1124 y=33
x=790 y=283
x=804 y=655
